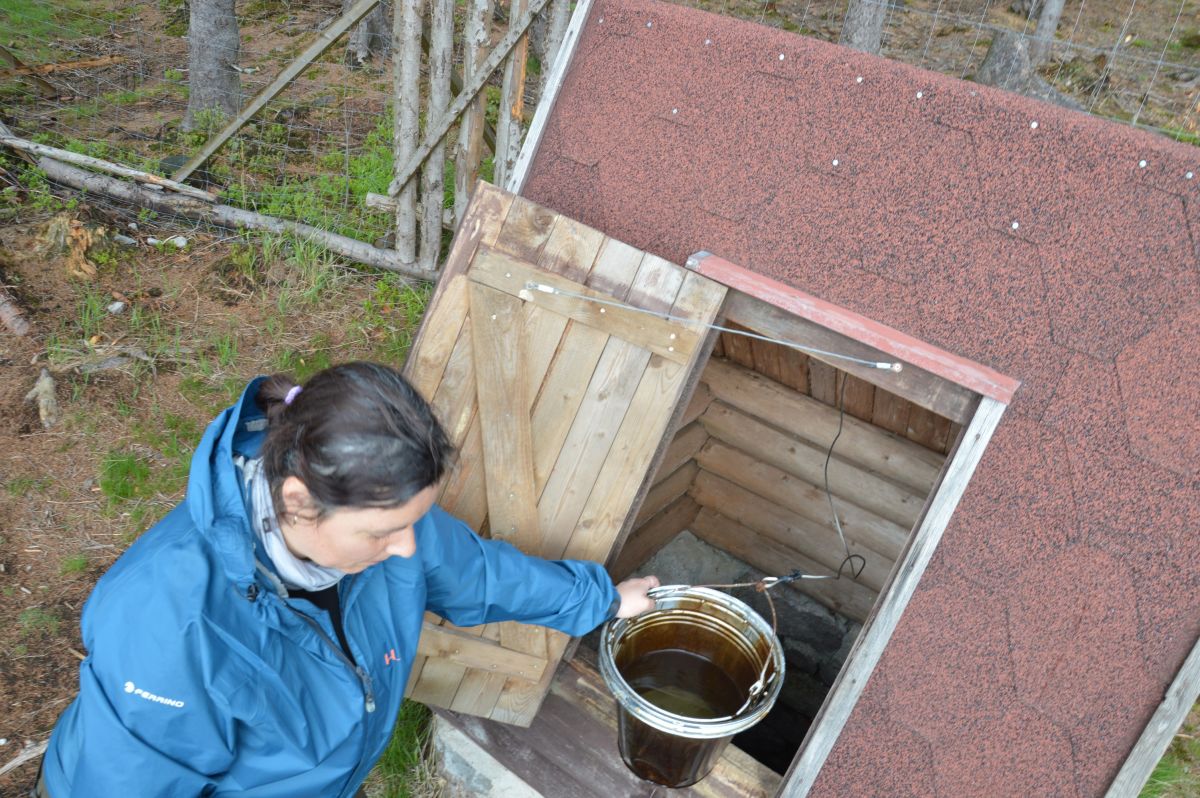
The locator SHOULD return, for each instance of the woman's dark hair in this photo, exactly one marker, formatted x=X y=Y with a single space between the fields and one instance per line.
x=356 y=434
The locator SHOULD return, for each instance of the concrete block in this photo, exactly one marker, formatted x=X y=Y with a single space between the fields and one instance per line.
x=470 y=771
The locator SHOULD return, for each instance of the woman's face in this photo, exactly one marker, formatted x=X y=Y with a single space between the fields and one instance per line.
x=350 y=539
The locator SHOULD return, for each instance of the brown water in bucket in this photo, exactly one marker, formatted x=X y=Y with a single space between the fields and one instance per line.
x=685 y=670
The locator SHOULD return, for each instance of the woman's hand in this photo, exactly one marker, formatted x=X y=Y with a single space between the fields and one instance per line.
x=634 y=600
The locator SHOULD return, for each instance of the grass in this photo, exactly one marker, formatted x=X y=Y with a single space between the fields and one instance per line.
x=404 y=770
x=74 y=564
x=38 y=621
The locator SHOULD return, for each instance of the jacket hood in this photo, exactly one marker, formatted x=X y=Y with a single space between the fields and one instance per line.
x=214 y=498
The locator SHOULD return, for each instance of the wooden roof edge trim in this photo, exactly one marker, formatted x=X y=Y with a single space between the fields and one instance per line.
x=961 y=371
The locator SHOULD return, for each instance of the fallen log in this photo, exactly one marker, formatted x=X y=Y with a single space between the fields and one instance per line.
x=66 y=156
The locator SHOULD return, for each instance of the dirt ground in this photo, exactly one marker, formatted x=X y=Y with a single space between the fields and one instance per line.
x=164 y=334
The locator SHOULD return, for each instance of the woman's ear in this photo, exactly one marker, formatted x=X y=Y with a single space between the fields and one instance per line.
x=297 y=501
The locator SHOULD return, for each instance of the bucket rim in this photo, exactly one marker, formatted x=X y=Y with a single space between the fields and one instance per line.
x=669 y=722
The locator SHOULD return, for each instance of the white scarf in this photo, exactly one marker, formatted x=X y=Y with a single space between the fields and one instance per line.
x=295 y=573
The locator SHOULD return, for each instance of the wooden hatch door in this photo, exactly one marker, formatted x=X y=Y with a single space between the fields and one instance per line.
x=559 y=406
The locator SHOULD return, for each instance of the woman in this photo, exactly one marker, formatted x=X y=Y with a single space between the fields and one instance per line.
x=257 y=641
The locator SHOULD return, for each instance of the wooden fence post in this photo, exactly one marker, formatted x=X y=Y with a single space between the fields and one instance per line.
x=510 y=123
x=406 y=71
x=469 y=151
x=441 y=59
x=556 y=30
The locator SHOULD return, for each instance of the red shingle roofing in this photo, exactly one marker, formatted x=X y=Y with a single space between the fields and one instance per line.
x=1063 y=597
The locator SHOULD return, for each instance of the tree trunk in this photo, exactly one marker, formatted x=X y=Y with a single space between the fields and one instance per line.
x=863 y=28
x=1047 y=25
x=213 y=43
x=372 y=37
x=1007 y=66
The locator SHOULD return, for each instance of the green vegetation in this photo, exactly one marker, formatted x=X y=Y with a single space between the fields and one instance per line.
x=74 y=564
x=403 y=770
x=38 y=621
x=23 y=486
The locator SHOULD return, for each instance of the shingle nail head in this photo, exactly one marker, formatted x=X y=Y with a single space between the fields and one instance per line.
x=707 y=42
x=649 y=24
x=781 y=56
x=1188 y=176
x=1016 y=225
x=1142 y=164
x=835 y=161
x=1033 y=124
x=858 y=79
x=674 y=110
x=920 y=94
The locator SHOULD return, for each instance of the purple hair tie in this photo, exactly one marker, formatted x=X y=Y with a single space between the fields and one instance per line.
x=291 y=394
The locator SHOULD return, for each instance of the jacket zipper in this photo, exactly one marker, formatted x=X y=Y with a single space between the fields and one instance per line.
x=359 y=671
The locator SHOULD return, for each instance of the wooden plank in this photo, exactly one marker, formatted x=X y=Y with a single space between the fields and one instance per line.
x=844 y=596
x=479 y=688
x=795 y=369
x=567 y=381
x=847 y=481
x=672 y=340
x=654 y=533
x=639 y=443
x=683 y=447
x=766 y=358
x=482 y=224
x=496 y=327
x=699 y=402
x=570 y=249
x=952 y=435
x=440 y=332
x=858 y=396
x=864 y=444
x=927 y=428
x=810 y=501
x=525 y=230
x=497 y=322
x=891 y=412
x=738 y=348
x=519 y=701
x=822 y=382
x=454 y=400
x=877 y=631
x=913 y=383
x=474 y=651
x=666 y=490
x=815 y=541
x=1160 y=730
x=605 y=402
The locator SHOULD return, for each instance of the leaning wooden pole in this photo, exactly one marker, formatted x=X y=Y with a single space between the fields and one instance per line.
x=441 y=60
x=406 y=72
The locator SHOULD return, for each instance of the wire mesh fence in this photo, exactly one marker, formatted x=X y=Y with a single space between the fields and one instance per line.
x=112 y=81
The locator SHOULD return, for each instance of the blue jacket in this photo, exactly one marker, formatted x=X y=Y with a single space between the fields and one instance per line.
x=201 y=681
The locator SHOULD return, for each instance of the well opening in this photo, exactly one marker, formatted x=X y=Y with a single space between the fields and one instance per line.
x=741 y=493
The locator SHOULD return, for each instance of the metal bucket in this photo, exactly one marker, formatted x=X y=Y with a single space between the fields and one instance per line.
x=673 y=733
